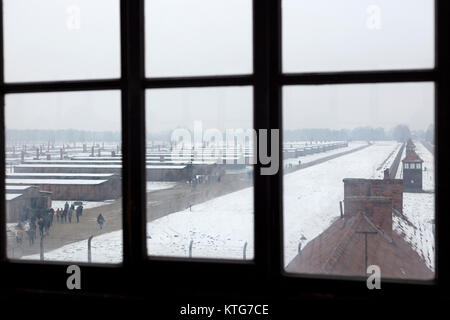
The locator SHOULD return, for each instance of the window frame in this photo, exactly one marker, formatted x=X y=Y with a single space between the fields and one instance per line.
x=265 y=274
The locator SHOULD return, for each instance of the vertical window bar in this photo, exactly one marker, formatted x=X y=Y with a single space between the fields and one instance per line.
x=441 y=117
x=266 y=113
x=2 y=146
x=133 y=131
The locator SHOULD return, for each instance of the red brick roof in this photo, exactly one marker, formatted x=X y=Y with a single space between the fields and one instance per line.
x=340 y=250
x=412 y=157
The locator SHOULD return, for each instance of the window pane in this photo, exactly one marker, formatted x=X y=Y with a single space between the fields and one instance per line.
x=61 y=39
x=336 y=199
x=64 y=149
x=330 y=35
x=199 y=172
x=198 y=37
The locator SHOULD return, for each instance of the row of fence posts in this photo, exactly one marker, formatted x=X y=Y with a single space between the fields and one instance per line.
x=89 y=243
x=244 y=250
x=41 y=249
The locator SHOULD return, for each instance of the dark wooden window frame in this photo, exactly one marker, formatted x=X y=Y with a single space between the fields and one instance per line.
x=140 y=275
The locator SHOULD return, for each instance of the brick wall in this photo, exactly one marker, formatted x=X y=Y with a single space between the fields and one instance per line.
x=375 y=197
x=378 y=209
x=392 y=188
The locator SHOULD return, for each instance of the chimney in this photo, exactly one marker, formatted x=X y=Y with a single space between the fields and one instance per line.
x=386 y=174
x=377 y=208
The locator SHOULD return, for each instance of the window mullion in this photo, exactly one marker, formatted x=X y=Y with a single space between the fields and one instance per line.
x=133 y=131
x=267 y=115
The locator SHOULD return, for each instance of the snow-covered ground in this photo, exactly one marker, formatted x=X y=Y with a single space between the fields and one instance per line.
x=379 y=174
x=428 y=166
x=312 y=195
x=315 y=156
x=419 y=210
x=156 y=185
x=220 y=227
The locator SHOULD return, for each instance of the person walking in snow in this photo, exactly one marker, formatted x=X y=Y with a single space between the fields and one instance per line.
x=41 y=226
x=79 y=212
x=69 y=214
x=51 y=213
x=100 y=221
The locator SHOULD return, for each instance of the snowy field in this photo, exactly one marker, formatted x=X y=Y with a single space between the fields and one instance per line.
x=219 y=228
x=428 y=166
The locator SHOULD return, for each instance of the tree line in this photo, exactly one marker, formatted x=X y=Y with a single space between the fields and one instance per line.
x=399 y=133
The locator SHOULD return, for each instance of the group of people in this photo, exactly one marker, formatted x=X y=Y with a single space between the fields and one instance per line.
x=28 y=226
x=66 y=213
x=42 y=220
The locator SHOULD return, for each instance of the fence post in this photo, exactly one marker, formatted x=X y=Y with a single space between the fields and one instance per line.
x=190 y=248
x=89 y=249
x=245 y=250
x=42 y=249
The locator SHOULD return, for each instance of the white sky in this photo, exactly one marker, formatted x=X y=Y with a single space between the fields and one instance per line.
x=79 y=39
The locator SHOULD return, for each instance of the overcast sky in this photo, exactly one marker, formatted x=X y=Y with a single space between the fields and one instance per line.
x=79 y=39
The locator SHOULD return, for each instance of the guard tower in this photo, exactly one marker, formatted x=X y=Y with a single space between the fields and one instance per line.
x=412 y=172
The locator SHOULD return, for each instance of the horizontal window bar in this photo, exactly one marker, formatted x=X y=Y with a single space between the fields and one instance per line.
x=358 y=77
x=208 y=81
x=82 y=85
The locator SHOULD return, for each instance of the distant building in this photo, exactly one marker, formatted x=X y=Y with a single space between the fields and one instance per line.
x=22 y=200
x=412 y=172
x=410 y=146
x=364 y=236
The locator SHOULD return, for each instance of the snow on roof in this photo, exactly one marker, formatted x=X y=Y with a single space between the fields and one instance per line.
x=11 y=196
x=33 y=174
x=412 y=157
x=165 y=167
x=68 y=166
x=10 y=187
x=53 y=181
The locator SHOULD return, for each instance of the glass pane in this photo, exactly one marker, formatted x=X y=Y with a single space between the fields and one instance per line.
x=49 y=40
x=200 y=173
x=349 y=203
x=198 y=37
x=330 y=35
x=63 y=176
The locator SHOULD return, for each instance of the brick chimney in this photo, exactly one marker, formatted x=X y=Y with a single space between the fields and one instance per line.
x=377 y=208
x=374 y=197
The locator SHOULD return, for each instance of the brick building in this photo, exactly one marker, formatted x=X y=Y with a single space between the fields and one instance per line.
x=364 y=236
